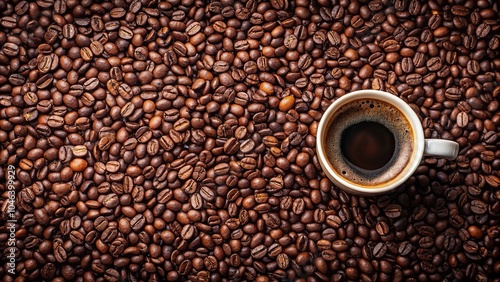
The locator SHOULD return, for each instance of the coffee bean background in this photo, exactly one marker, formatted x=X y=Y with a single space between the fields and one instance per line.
x=175 y=140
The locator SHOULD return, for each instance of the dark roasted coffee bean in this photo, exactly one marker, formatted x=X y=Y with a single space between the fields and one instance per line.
x=188 y=231
x=483 y=30
x=393 y=211
x=382 y=228
x=259 y=252
x=231 y=146
x=462 y=119
x=404 y=248
x=283 y=261
x=60 y=254
x=473 y=67
x=206 y=193
x=339 y=245
x=379 y=250
x=453 y=93
x=478 y=207
x=414 y=79
x=137 y=222
x=196 y=201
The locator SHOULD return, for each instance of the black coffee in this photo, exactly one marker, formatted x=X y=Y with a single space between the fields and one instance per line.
x=368 y=145
x=369 y=142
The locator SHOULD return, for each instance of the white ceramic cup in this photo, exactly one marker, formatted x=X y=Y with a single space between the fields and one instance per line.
x=429 y=147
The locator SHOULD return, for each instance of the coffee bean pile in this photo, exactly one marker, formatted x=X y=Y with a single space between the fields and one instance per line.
x=175 y=140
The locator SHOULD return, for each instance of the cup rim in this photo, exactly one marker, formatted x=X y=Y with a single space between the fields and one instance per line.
x=405 y=109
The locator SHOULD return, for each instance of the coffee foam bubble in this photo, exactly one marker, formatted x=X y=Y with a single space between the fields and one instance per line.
x=376 y=111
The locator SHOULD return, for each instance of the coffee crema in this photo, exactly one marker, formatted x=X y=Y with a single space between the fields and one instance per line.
x=384 y=137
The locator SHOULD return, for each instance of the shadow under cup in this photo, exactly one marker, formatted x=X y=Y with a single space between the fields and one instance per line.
x=367 y=144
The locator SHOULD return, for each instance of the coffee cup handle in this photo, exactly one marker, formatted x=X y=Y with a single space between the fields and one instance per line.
x=440 y=148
